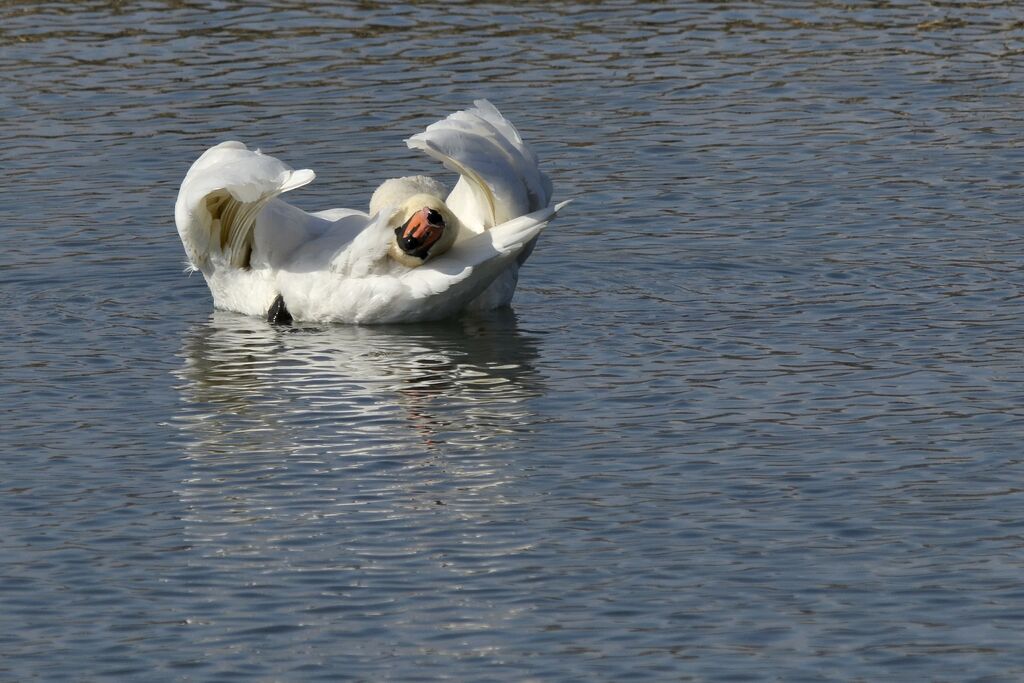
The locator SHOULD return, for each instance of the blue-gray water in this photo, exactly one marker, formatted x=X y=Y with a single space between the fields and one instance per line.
x=756 y=415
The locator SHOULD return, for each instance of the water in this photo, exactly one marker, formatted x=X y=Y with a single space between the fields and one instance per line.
x=756 y=414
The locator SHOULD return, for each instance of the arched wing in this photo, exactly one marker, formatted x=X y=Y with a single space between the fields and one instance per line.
x=500 y=178
x=223 y=192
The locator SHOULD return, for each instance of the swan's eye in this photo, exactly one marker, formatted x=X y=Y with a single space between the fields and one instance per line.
x=435 y=218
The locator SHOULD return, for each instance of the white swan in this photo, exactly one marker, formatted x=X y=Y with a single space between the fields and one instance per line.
x=415 y=256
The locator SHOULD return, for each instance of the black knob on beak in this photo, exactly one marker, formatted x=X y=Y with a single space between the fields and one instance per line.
x=409 y=244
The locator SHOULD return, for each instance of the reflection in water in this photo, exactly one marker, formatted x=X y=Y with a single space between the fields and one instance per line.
x=365 y=468
x=383 y=407
x=318 y=387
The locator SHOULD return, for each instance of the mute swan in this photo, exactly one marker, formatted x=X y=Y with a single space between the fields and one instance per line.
x=415 y=256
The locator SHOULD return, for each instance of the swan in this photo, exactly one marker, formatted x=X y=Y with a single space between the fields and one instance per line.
x=419 y=253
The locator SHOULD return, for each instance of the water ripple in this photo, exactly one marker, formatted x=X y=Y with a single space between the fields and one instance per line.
x=756 y=415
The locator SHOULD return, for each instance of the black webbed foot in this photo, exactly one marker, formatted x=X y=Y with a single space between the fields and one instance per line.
x=278 y=313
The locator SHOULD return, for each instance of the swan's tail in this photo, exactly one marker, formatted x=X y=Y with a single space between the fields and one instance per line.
x=219 y=200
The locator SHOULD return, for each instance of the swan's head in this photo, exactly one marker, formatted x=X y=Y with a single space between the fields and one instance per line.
x=424 y=229
x=423 y=225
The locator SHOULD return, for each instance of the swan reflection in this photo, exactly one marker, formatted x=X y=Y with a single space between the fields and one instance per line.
x=357 y=458
x=250 y=386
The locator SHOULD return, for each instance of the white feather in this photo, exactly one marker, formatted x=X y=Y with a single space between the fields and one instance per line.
x=500 y=177
x=334 y=265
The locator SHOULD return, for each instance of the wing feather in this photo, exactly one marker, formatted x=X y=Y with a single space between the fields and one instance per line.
x=448 y=283
x=368 y=247
x=223 y=192
x=500 y=178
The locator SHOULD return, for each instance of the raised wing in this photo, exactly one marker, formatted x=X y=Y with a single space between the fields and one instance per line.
x=500 y=177
x=223 y=192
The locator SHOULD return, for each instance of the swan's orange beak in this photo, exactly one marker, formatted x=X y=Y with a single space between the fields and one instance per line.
x=423 y=229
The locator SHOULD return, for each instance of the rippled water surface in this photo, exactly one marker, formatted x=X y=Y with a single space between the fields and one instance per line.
x=756 y=414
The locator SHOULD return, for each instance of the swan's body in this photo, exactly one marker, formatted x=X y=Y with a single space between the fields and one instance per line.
x=416 y=255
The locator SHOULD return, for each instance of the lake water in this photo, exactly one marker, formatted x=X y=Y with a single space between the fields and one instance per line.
x=756 y=415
